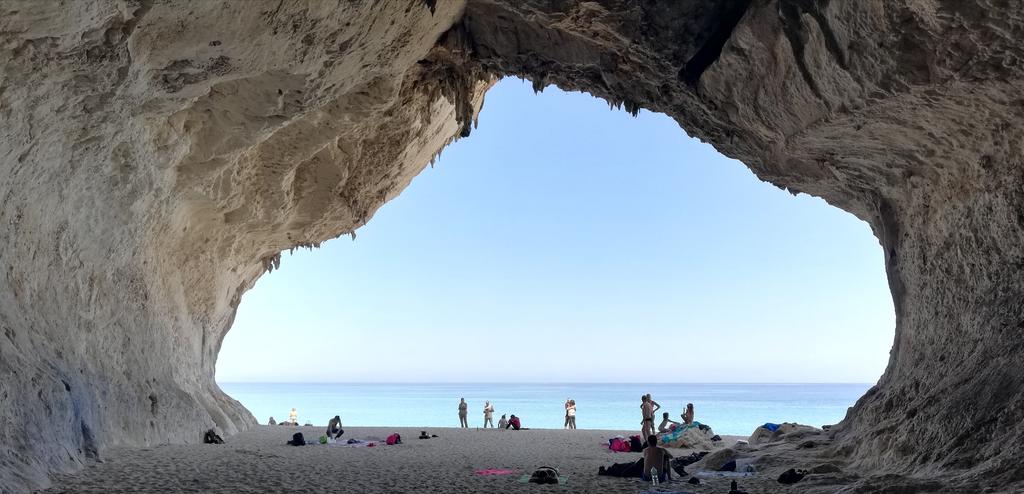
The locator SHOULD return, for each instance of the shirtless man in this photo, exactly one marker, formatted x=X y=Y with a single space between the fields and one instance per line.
x=463 y=413
x=688 y=414
x=647 y=409
x=334 y=429
x=666 y=423
x=657 y=458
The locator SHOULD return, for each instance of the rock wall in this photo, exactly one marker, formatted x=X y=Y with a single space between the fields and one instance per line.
x=157 y=157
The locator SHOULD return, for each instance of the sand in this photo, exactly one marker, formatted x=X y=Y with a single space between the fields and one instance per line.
x=259 y=461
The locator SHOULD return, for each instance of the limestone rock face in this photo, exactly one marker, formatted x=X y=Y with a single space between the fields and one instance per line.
x=157 y=157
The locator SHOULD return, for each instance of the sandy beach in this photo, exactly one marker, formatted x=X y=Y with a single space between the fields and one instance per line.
x=258 y=461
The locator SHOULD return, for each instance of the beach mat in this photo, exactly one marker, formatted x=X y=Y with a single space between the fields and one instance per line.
x=495 y=471
x=706 y=474
x=562 y=479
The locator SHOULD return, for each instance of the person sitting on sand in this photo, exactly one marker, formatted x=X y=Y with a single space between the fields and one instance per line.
x=655 y=457
x=463 y=412
x=667 y=424
x=293 y=417
x=503 y=423
x=334 y=427
x=513 y=422
x=488 y=414
x=688 y=414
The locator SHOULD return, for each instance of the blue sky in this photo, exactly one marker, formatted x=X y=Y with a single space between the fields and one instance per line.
x=566 y=242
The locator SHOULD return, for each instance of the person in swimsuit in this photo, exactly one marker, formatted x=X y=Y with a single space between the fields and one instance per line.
x=334 y=429
x=566 y=425
x=688 y=414
x=657 y=458
x=571 y=414
x=293 y=417
x=647 y=408
x=667 y=424
x=463 y=413
x=488 y=414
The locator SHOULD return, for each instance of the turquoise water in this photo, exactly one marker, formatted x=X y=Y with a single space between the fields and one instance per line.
x=731 y=409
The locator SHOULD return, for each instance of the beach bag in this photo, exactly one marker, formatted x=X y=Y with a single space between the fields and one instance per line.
x=544 y=475
x=297 y=439
x=211 y=437
x=618 y=445
x=393 y=439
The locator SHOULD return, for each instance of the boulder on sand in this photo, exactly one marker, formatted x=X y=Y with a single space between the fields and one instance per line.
x=784 y=432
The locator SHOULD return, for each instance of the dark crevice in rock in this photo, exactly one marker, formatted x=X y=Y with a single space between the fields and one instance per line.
x=89 y=442
x=712 y=48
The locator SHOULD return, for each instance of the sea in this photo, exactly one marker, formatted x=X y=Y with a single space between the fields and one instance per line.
x=730 y=409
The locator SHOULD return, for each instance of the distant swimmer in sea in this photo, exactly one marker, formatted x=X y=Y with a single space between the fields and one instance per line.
x=463 y=413
x=571 y=411
x=503 y=423
x=688 y=414
x=514 y=423
x=293 y=417
x=488 y=414
x=667 y=424
x=334 y=427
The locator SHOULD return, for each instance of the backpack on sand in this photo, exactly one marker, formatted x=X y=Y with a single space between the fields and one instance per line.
x=211 y=437
x=297 y=440
x=544 y=475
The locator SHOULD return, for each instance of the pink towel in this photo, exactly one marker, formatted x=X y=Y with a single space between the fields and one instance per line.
x=495 y=471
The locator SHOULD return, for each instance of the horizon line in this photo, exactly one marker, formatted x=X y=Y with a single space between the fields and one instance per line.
x=538 y=382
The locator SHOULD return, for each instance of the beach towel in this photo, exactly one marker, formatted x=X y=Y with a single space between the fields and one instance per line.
x=669 y=491
x=394 y=439
x=706 y=474
x=495 y=471
x=619 y=445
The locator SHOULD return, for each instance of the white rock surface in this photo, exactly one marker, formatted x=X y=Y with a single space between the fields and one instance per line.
x=157 y=156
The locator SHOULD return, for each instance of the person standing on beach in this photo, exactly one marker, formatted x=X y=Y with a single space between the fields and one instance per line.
x=488 y=414
x=571 y=414
x=688 y=414
x=463 y=413
x=567 y=400
x=293 y=417
x=647 y=408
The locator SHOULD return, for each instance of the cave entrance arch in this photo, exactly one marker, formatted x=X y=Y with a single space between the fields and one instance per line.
x=157 y=160
x=571 y=226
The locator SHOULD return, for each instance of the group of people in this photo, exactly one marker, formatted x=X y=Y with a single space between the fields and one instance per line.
x=570 y=413
x=293 y=419
x=504 y=423
x=647 y=409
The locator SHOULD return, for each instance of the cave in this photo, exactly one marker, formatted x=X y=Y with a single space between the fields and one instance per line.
x=159 y=156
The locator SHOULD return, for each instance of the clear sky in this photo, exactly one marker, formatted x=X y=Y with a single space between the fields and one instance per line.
x=566 y=242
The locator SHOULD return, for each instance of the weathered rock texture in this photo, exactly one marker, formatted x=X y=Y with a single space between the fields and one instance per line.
x=157 y=156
